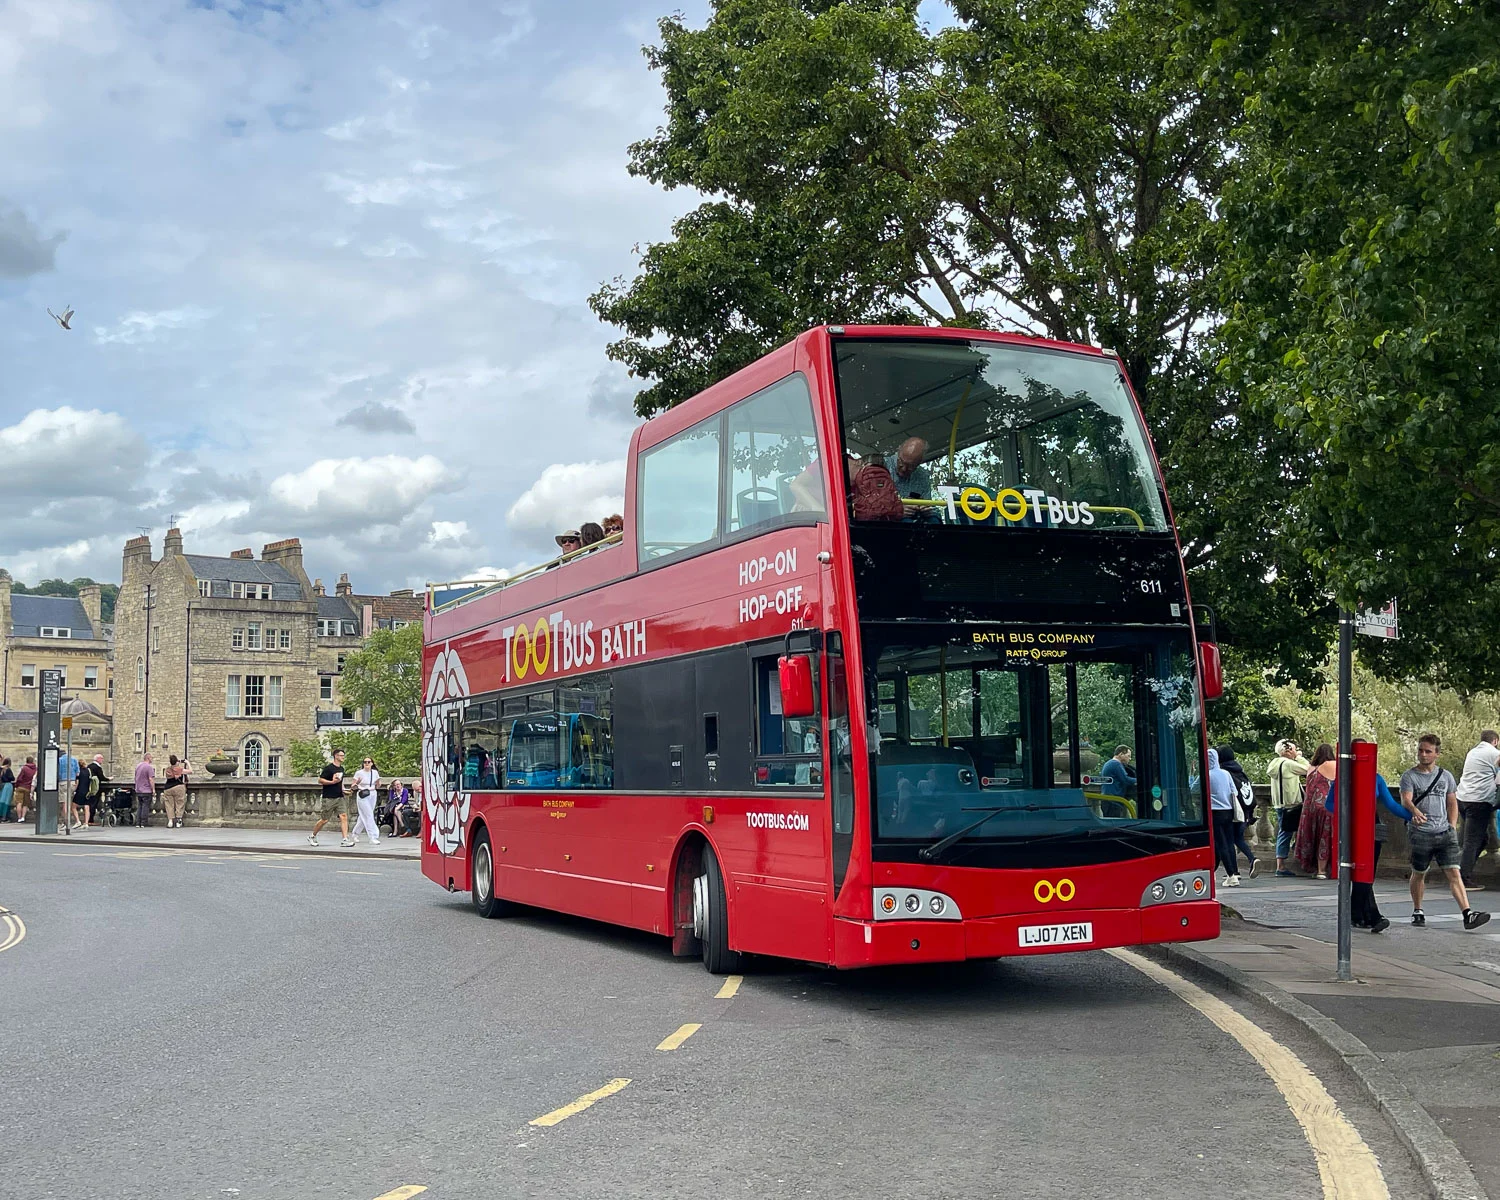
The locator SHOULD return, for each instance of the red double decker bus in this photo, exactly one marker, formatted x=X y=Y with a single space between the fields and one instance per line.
x=850 y=686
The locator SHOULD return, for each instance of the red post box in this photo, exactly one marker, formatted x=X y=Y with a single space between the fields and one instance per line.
x=1363 y=809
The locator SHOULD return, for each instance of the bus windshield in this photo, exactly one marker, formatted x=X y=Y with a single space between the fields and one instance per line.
x=1059 y=730
x=999 y=434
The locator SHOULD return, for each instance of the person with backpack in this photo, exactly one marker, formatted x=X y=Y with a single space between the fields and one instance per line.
x=91 y=784
x=24 y=782
x=1244 y=807
x=174 y=797
x=1286 y=772
x=872 y=492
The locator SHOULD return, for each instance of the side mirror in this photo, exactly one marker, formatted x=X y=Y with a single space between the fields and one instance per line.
x=1211 y=670
x=794 y=672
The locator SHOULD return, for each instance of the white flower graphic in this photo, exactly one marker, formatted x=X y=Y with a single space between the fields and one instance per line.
x=447 y=813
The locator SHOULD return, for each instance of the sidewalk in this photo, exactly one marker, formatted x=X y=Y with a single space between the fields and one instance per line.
x=1426 y=1002
x=259 y=841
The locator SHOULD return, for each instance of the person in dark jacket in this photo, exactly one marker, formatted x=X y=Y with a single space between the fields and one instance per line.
x=1364 y=911
x=1245 y=797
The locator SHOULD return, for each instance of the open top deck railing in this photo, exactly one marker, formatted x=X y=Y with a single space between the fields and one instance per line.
x=488 y=587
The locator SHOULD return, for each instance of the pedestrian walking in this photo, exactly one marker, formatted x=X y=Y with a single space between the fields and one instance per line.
x=1314 y=850
x=1476 y=802
x=1430 y=794
x=7 y=788
x=174 y=798
x=1244 y=807
x=145 y=790
x=67 y=787
x=91 y=788
x=1221 y=797
x=335 y=802
x=366 y=781
x=1286 y=772
x=24 y=781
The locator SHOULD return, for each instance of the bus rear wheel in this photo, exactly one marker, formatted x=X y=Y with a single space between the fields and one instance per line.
x=482 y=880
x=711 y=918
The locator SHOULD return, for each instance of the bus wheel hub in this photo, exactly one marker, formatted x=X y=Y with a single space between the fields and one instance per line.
x=700 y=906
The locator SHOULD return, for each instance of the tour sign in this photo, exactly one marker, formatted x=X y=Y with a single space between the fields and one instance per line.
x=51 y=691
x=1380 y=624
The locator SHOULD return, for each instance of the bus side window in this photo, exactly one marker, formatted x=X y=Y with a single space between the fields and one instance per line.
x=773 y=452
x=789 y=750
x=679 y=491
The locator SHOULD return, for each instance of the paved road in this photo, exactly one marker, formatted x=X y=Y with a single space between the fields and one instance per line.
x=202 y=1025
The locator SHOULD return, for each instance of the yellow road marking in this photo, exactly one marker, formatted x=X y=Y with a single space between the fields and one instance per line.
x=404 y=1192
x=672 y=1041
x=12 y=931
x=583 y=1102
x=1348 y=1168
x=731 y=986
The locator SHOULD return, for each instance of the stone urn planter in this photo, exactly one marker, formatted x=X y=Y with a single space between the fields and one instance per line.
x=220 y=764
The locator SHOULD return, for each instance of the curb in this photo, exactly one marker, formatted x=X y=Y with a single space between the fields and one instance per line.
x=137 y=844
x=1448 y=1176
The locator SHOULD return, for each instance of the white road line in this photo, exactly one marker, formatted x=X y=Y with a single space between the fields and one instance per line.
x=1348 y=1168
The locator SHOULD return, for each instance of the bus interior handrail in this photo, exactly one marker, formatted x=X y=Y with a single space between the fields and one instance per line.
x=488 y=587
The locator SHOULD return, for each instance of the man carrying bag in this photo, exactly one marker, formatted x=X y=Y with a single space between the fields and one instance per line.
x=1286 y=772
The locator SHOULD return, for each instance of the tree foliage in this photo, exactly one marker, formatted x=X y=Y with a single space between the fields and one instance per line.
x=1044 y=165
x=397 y=754
x=385 y=676
x=1363 y=301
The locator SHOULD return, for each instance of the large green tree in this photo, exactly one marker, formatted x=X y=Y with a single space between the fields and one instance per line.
x=1044 y=165
x=1363 y=300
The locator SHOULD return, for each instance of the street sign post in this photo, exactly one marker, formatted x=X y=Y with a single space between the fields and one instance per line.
x=1381 y=624
x=49 y=718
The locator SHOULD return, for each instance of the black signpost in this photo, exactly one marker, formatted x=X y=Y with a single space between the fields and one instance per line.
x=47 y=753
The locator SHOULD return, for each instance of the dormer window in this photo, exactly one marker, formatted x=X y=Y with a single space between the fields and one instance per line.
x=52 y=631
x=205 y=587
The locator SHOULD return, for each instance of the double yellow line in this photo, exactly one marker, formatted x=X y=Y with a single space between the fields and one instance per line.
x=12 y=929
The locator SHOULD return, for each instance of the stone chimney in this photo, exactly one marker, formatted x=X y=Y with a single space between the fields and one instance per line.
x=137 y=557
x=89 y=597
x=318 y=589
x=245 y=553
x=172 y=544
x=287 y=554
x=343 y=587
x=406 y=592
x=5 y=624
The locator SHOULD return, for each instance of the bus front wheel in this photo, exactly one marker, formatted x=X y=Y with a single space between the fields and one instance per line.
x=482 y=879
x=711 y=918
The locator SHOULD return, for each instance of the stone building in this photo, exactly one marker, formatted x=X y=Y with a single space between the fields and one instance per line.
x=41 y=632
x=345 y=619
x=237 y=655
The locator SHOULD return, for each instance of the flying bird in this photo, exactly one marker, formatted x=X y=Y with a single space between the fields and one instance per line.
x=64 y=319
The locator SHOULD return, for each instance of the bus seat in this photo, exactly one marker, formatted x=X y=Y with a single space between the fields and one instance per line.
x=757 y=505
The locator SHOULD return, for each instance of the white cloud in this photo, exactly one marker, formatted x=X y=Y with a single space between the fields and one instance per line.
x=448 y=531
x=359 y=492
x=71 y=453
x=566 y=495
x=138 y=327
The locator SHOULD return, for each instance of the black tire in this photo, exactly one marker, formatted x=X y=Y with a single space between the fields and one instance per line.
x=718 y=958
x=482 y=880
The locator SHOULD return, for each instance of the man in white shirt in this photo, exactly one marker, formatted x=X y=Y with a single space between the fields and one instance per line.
x=1476 y=801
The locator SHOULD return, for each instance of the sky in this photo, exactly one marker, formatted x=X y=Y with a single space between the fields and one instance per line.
x=329 y=263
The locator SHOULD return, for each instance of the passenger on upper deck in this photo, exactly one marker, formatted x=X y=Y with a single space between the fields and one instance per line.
x=589 y=533
x=913 y=480
x=569 y=540
x=613 y=524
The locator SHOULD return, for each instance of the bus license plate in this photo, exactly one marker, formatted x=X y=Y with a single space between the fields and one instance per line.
x=1080 y=933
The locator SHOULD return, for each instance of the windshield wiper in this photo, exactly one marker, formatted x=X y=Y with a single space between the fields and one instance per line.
x=931 y=852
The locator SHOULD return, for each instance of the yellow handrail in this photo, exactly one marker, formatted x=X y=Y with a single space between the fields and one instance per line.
x=485 y=587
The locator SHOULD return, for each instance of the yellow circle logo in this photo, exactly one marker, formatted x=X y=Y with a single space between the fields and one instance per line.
x=527 y=646
x=1045 y=890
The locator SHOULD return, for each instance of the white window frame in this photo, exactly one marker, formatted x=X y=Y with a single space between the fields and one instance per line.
x=260 y=748
x=139 y=740
x=252 y=636
x=55 y=631
x=231 y=695
x=28 y=669
x=253 y=696
x=205 y=588
x=140 y=675
x=285 y=639
x=237 y=590
x=325 y=687
x=91 y=679
x=273 y=764
x=273 y=696
x=155 y=639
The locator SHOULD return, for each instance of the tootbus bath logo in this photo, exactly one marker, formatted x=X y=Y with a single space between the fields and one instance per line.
x=447 y=814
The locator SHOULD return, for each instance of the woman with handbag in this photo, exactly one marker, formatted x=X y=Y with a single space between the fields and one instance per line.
x=7 y=788
x=174 y=795
x=366 y=780
x=1286 y=772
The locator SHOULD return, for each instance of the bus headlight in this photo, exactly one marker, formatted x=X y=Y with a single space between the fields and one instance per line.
x=936 y=904
x=913 y=902
x=888 y=903
x=919 y=904
x=1159 y=890
x=1185 y=885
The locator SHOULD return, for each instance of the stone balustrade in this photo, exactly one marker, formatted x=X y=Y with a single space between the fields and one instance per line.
x=252 y=803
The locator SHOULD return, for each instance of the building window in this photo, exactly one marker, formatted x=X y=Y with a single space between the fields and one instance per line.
x=109 y=687
x=255 y=696
x=232 y=696
x=347 y=713
x=399 y=624
x=140 y=675
x=139 y=741
x=237 y=591
x=286 y=639
x=264 y=593
x=91 y=678
x=342 y=657
x=252 y=636
x=273 y=765
x=253 y=759
x=205 y=588
x=156 y=639
x=50 y=631
x=62 y=674
x=153 y=741
x=325 y=687
x=237 y=638
x=28 y=675
x=86 y=731
x=350 y=630
x=25 y=733
x=273 y=696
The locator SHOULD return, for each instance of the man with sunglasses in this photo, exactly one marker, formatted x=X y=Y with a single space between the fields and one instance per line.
x=1430 y=794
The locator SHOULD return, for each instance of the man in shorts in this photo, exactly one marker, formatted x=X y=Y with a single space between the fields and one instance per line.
x=335 y=803
x=1430 y=794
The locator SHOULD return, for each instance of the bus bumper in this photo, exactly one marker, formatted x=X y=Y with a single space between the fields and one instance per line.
x=882 y=943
